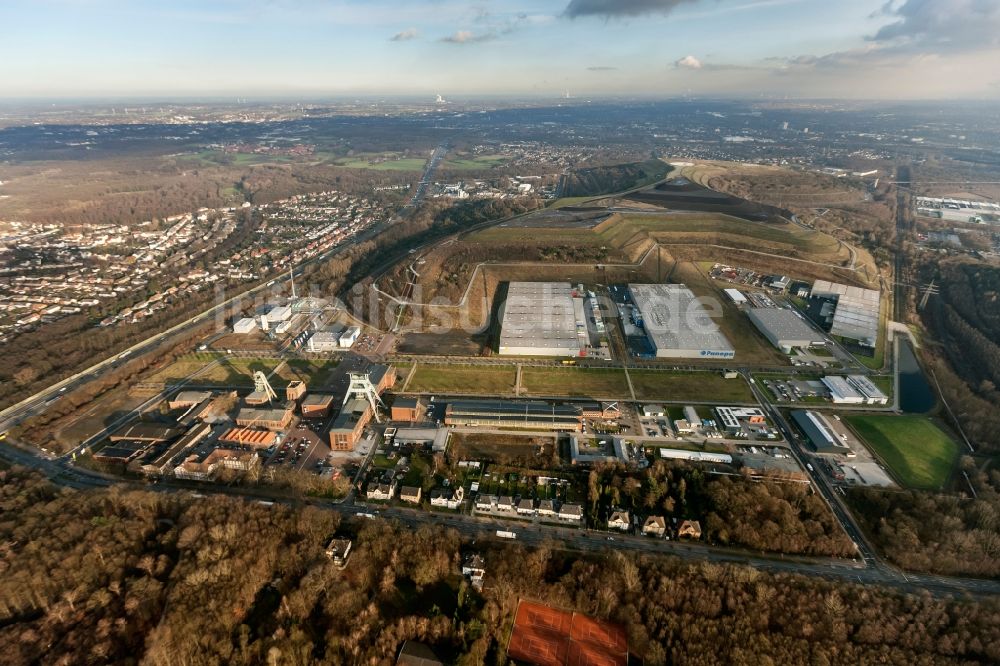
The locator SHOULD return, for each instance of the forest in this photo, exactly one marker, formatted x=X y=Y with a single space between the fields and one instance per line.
x=733 y=510
x=123 y=576
x=966 y=318
x=938 y=533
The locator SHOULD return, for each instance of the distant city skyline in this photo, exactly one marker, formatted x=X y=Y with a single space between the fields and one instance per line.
x=850 y=49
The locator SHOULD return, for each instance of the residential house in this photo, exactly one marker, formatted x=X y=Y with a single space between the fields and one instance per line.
x=381 y=492
x=619 y=520
x=410 y=494
x=474 y=567
x=655 y=526
x=505 y=503
x=690 y=529
x=339 y=550
x=526 y=507
x=571 y=512
x=546 y=509
x=486 y=502
x=446 y=498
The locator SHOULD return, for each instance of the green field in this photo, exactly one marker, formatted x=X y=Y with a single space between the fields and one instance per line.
x=236 y=372
x=919 y=454
x=696 y=386
x=382 y=162
x=575 y=382
x=477 y=162
x=484 y=379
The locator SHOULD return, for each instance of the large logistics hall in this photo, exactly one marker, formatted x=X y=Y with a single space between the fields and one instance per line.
x=543 y=319
x=677 y=324
x=784 y=328
x=853 y=312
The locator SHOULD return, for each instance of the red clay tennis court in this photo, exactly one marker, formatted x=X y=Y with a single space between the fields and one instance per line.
x=547 y=636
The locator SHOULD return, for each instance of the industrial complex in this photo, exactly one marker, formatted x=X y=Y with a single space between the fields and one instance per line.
x=677 y=324
x=543 y=319
x=851 y=312
x=785 y=329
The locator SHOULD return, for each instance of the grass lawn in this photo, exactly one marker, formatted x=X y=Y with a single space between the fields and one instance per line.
x=485 y=379
x=919 y=453
x=316 y=373
x=477 y=162
x=231 y=372
x=388 y=164
x=697 y=386
x=575 y=382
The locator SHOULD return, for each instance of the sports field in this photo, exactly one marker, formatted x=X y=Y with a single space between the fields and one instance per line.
x=480 y=379
x=919 y=454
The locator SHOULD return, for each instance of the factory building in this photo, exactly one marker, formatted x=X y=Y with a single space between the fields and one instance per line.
x=677 y=324
x=819 y=432
x=272 y=419
x=854 y=390
x=275 y=316
x=785 y=329
x=531 y=414
x=244 y=326
x=317 y=406
x=349 y=337
x=732 y=418
x=852 y=312
x=542 y=319
x=357 y=412
x=736 y=296
x=323 y=341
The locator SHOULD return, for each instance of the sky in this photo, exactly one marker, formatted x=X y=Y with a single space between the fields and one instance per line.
x=821 y=49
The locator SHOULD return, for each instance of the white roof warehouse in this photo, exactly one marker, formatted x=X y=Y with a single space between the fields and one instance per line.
x=677 y=323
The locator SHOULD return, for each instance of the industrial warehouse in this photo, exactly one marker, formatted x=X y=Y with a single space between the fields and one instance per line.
x=820 y=433
x=785 y=329
x=543 y=319
x=677 y=324
x=532 y=414
x=854 y=390
x=851 y=312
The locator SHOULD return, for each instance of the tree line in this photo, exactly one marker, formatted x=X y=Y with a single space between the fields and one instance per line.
x=126 y=576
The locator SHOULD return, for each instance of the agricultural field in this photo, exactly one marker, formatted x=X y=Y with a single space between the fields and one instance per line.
x=575 y=382
x=463 y=379
x=918 y=452
x=663 y=386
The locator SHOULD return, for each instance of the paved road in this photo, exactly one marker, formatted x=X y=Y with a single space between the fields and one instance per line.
x=869 y=571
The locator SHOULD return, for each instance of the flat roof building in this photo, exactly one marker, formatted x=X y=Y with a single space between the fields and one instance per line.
x=736 y=296
x=841 y=392
x=272 y=419
x=323 y=341
x=785 y=328
x=244 y=326
x=317 y=406
x=677 y=324
x=542 y=319
x=854 y=390
x=819 y=432
x=856 y=316
x=514 y=414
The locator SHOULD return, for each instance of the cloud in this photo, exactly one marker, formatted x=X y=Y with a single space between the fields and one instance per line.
x=405 y=35
x=468 y=37
x=688 y=62
x=602 y=68
x=953 y=25
x=620 y=8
